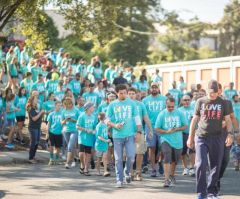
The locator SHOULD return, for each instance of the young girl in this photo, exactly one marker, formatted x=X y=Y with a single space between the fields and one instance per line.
x=20 y=103
x=10 y=116
x=86 y=125
x=55 y=133
x=101 y=144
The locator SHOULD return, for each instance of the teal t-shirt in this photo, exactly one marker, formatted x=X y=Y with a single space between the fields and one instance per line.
x=154 y=106
x=11 y=114
x=35 y=70
x=143 y=86
x=76 y=86
x=102 y=131
x=156 y=78
x=123 y=111
x=176 y=94
x=73 y=114
x=88 y=122
x=92 y=97
x=40 y=87
x=103 y=107
x=82 y=69
x=107 y=74
x=23 y=69
x=54 y=119
x=188 y=113
x=12 y=69
x=141 y=110
x=59 y=95
x=20 y=103
x=236 y=110
x=81 y=110
x=27 y=84
x=97 y=73
x=167 y=120
x=52 y=85
x=228 y=93
x=67 y=86
x=48 y=107
x=1 y=104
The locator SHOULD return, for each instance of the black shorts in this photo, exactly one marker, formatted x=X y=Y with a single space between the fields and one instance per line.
x=55 y=140
x=185 y=149
x=85 y=149
x=14 y=76
x=20 y=118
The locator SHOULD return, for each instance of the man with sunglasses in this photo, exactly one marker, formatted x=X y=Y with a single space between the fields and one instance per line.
x=187 y=111
x=209 y=140
x=170 y=124
x=154 y=103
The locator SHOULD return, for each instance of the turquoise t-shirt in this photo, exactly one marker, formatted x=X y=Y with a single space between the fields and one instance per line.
x=113 y=75
x=92 y=97
x=1 y=104
x=103 y=108
x=35 y=70
x=188 y=113
x=90 y=69
x=167 y=120
x=156 y=78
x=11 y=114
x=40 y=87
x=73 y=114
x=54 y=119
x=228 y=93
x=12 y=69
x=51 y=85
x=20 y=103
x=48 y=107
x=82 y=69
x=67 y=86
x=102 y=131
x=123 y=111
x=128 y=76
x=107 y=74
x=143 y=86
x=59 y=95
x=141 y=110
x=154 y=106
x=27 y=84
x=81 y=110
x=97 y=73
x=181 y=86
x=236 y=110
x=76 y=86
x=23 y=69
x=88 y=122
x=176 y=94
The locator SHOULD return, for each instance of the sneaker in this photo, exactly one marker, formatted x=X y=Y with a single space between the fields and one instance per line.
x=119 y=184
x=106 y=174
x=73 y=164
x=166 y=184
x=9 y=146
x=160 y=168
x=212 y=197
x=22 y=142
x=127 y=176
x=192 y=172
x=172 y=180
x=32 y=161
x=145 y=169
x=4 y=137
x=138 y=177
x=50 y=163
x=153 y=174
x=67 y=166
x=185 y=172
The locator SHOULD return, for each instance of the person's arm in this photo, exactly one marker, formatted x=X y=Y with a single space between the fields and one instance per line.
x=104 y=140
x=35 y=118
x=190 y=141
x=148 y=123
x=234 y=122
x=229 y=139
x=162 y=131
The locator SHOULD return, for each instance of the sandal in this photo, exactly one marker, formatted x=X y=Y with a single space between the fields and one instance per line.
x=81 y=170
x=86 y=173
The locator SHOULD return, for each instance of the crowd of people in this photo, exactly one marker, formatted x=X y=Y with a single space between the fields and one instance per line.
x=108 y=116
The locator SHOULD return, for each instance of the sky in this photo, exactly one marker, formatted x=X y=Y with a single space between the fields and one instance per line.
x=205 y=10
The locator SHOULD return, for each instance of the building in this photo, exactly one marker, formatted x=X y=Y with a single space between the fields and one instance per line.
x=224 y=70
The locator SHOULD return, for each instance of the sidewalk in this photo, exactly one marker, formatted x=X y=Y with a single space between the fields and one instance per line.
x=21 y=157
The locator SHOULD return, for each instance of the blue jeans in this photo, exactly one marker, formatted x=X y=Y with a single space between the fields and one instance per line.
x=119 y=144
x=34 y=141
x=71 y=140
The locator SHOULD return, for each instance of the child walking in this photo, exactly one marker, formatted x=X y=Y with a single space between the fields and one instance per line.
x=101 y=144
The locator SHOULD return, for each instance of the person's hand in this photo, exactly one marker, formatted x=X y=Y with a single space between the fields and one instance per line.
x=190 y=143
x=229 y=140
x=108 y=141
x=171 y=130
x=138 y=137
x=118 y=126
x=223 y=124
x=42 y=112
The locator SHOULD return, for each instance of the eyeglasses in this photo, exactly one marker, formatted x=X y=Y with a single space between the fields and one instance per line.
x=170 y=106
x=186 y=100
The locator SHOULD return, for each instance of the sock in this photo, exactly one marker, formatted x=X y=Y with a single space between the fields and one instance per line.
x=51 y=156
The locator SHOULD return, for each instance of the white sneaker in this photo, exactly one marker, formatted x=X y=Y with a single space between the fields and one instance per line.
x=192 y=172
x=67 y=166
x=64 y=157
x=212 y=197
x=73 y=164
x=185 y=172
x=4 y=137
x=119 y=184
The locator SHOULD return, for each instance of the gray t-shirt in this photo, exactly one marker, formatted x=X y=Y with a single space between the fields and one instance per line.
x=211 y=113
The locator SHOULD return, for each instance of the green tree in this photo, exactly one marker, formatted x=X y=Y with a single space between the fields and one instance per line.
x=230 y=30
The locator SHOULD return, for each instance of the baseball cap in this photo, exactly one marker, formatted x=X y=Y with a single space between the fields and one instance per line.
x=213 y=86
x=88 y=105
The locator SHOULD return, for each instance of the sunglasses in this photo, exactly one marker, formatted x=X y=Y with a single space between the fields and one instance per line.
x=186 y=100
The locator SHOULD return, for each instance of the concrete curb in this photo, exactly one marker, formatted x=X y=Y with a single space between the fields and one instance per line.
x=21 y=157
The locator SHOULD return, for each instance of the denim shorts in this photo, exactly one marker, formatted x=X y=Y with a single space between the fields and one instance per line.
x=153 y=142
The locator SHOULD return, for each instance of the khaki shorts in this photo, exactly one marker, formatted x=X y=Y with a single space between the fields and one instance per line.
x=141 y=147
